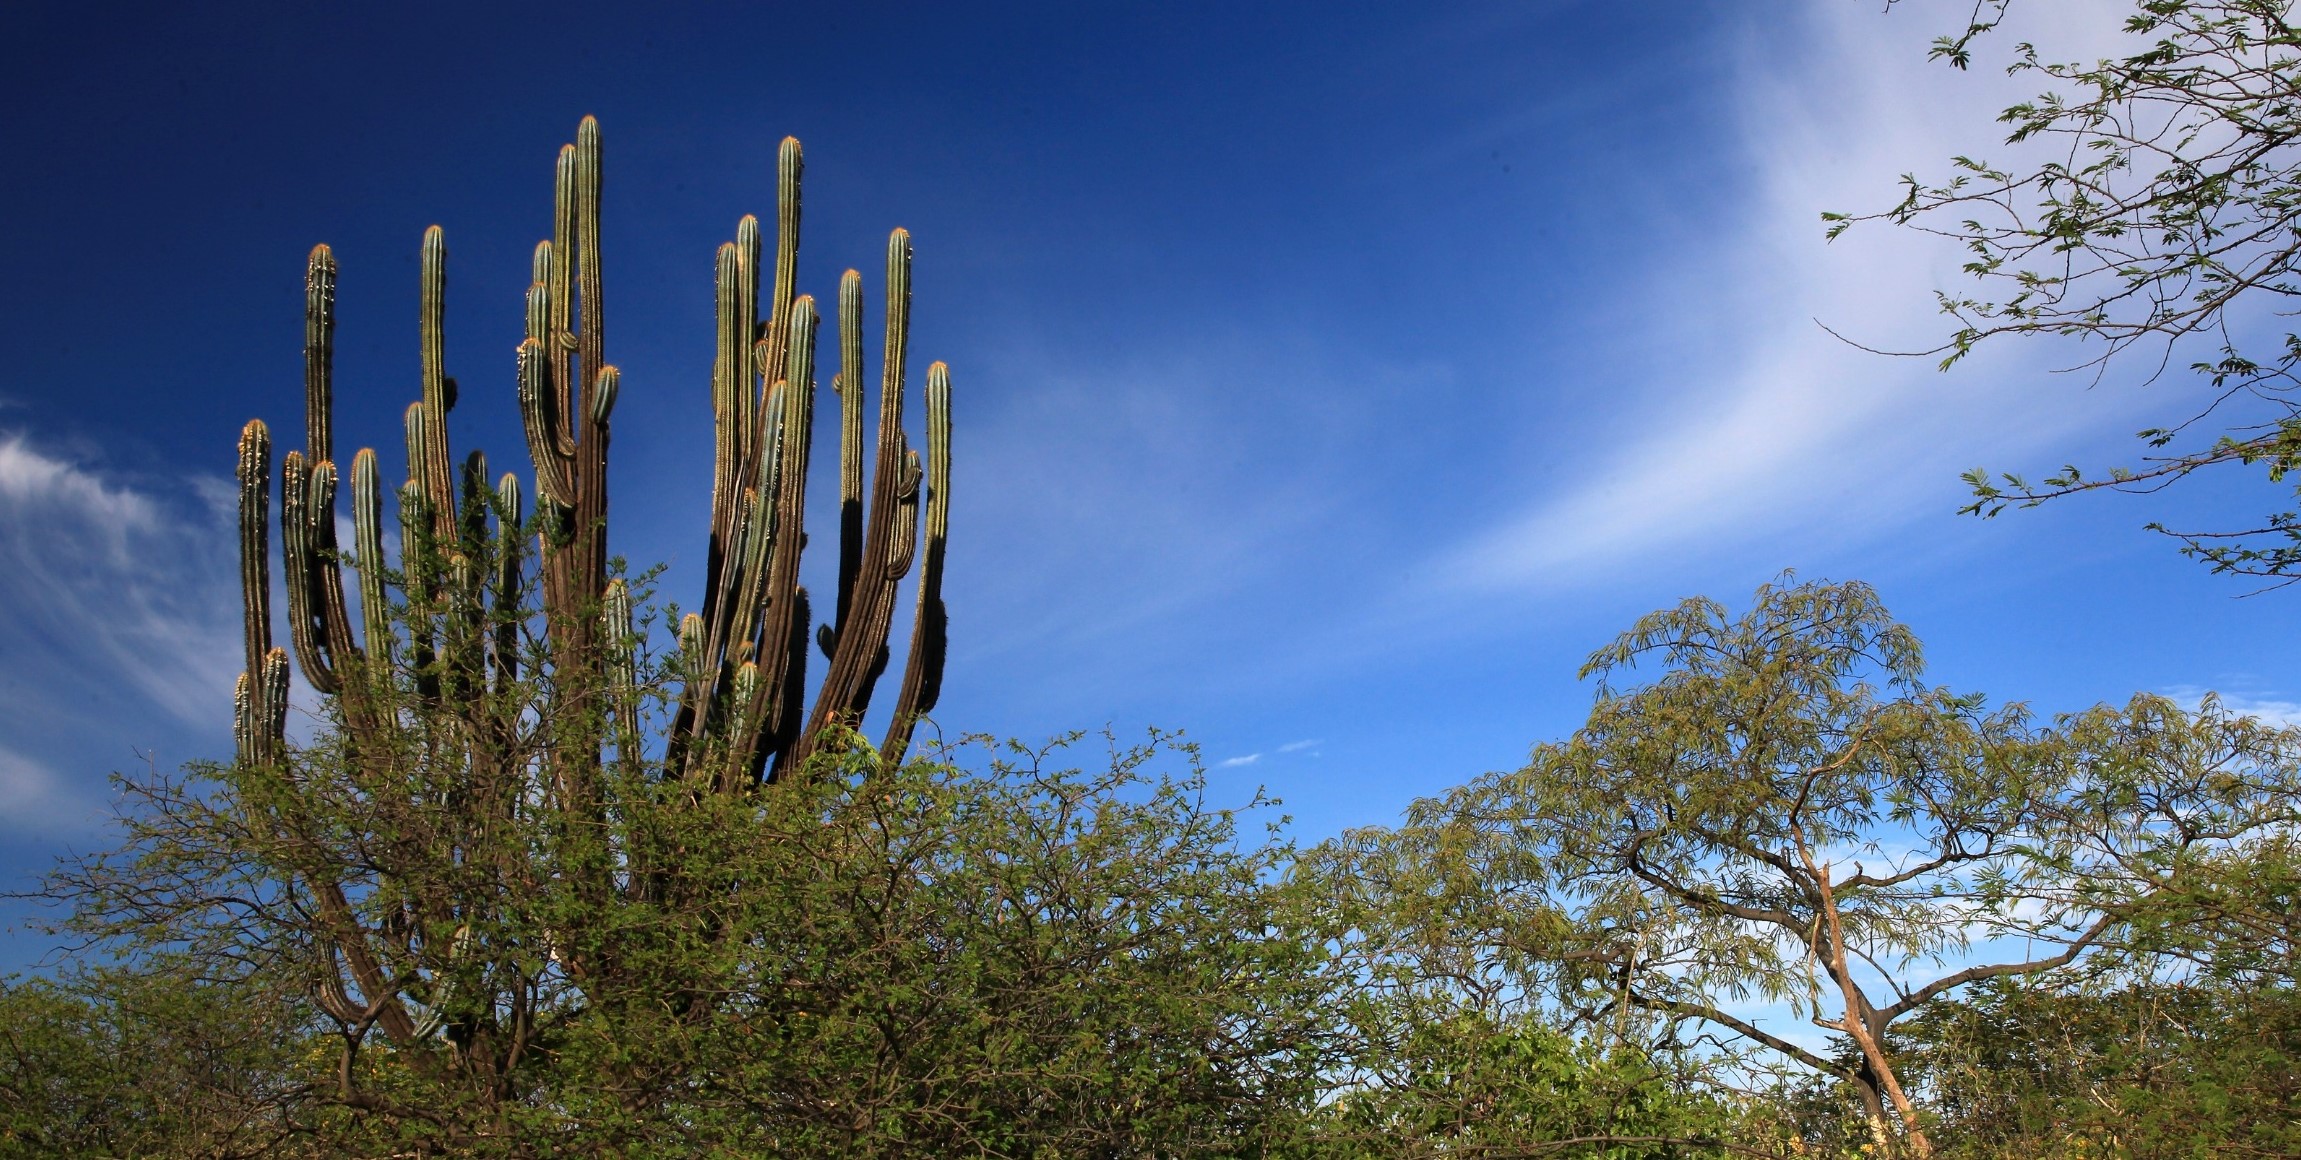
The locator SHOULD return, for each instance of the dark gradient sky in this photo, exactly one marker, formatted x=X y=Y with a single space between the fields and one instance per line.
x=1268 y=325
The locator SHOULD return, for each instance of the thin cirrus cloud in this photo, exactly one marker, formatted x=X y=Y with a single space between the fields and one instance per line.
x=120 y=633
x=1779 y=426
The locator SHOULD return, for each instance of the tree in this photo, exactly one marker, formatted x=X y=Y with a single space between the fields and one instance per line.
x=2153 y=216
x=1785 y=814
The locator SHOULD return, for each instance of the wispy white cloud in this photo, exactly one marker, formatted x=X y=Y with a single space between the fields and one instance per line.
x=1773 y=425
x=28 y=789
x=2273 y=710
x=121 y=615
x=1235 y=762
x=114 y=584
x=1298 y=746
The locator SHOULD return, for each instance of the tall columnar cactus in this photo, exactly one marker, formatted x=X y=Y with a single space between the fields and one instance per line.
x=449 y=648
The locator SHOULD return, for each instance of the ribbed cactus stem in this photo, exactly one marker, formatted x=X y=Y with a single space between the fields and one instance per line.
x=905 y=540
x=554 y=468
x=295 y=560
x=775 y=594
x=590 y=312
x=418 y=427
x=849 y=384
x=255 y=478
x=898 y=350
x=603 y=394
x=562 y=282
x=367 y=534
x=539 y=295
x=746 y=370
x=790 y=167
x=621 y=647
x=730 y=391
x=319 y=353
x=438 y=389
x=860 y=652
x=271 y=707
x=244 y=721
x=317 y=624
x=694 y=663
x=930 y=626
x=510 y=536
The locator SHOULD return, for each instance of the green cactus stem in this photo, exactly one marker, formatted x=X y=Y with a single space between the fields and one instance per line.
x=730 y=401
x=554 y=468
x=930 y=626
x=859 y=652
x=367 y=535
x=621 y=647
x=319 y=354
x=745 y=367
x=307 y=630
x=510 y=536
x=254 y=739
x=438 y=388
x=849 y=385
x=255 y=472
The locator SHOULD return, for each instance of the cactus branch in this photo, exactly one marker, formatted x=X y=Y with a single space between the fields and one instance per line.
x=930 y=627
x=319 y=354
x=367 y=534
x=849 y=384
x=859 y=653
x=438 y=389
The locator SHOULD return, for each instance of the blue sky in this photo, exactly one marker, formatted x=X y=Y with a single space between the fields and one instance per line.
x=1330 y=379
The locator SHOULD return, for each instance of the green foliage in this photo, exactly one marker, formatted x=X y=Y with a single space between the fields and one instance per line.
x=2150 y=210
x=145 y=1064
x=878 y=962
x=2109 y=1066
x=1783 y=814
x=1460 y=1083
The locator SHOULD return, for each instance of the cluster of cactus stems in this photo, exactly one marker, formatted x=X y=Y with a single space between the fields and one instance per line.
x=446 y=625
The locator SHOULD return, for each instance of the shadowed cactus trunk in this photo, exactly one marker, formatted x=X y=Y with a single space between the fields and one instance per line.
x=498 y=625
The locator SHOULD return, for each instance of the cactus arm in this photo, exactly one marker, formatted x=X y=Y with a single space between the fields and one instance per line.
x=783 y=635
x=272 y=706
x=244 y=721
x=335 y=612
x=367 y=534
x=730 y=399
x=744 y=367
x=438 y=389
x=414 y=553
x=591 y=336
x=770 y=355
x=598 y=379
x=509 y=537
x=319 y=354
x=849 y=384
x=859 y=650
x=552 y=467
x=622 y=665
x=790 y=167
x=930 y=627
x=560 y=332
x=255 y=471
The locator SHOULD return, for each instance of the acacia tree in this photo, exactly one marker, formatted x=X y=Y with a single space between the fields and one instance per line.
x=2160 y=221
x=1785 y=814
